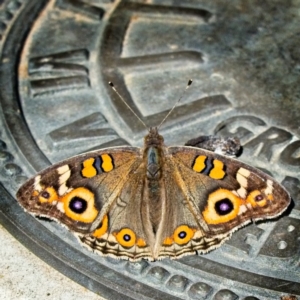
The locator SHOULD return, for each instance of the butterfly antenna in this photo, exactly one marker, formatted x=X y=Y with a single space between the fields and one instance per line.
x=114 y=89
x=187 y=86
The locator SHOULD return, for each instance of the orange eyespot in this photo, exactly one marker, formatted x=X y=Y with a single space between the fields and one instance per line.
x=222 y=206
x=256 y=198
x=48 y=195
x=183 y=234
x=125 y=237
x=79 y=205
x=102 y=229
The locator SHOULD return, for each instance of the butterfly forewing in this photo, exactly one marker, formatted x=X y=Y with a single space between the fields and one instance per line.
x=77 y=192
x=226 y=193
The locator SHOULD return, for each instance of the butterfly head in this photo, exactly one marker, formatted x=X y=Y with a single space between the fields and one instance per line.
x=153 y=138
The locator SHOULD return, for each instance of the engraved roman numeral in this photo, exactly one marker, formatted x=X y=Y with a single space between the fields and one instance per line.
x=58 y=72
x=85 y=132
x=140 y=67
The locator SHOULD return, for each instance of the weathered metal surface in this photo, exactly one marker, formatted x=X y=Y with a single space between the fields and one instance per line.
x=56 y=60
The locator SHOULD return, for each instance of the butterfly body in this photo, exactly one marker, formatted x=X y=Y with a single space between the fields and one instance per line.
x=153 y=202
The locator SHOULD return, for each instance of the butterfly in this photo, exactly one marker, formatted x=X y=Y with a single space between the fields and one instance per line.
x=153 y=202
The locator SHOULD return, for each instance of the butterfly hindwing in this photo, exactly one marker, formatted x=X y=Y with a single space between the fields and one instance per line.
x=123 y=233
x=182 y=233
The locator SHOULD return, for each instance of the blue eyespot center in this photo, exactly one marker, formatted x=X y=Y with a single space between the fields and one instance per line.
x=45 y=195
x=182 y=234
x=126 y=237
x=78 y=205
x=259 y=198
x=224 y=207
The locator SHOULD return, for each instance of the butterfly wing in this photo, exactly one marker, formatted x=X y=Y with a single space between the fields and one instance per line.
x=211 y=196
x=102 y=197
x=79 y=191
x=122 y=234
x=97 y=195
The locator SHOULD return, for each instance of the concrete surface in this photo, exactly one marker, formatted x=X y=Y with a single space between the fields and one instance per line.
x=24 y=276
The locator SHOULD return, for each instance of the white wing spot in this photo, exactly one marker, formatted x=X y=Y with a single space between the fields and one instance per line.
x=244 y=172
x=65 y=173
x=243 y=209
x=241 y=177
x=242 y=180
x=269 y=189
x=37 y=183
x=63 y=169
x=60 y=207
x=242 y=192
